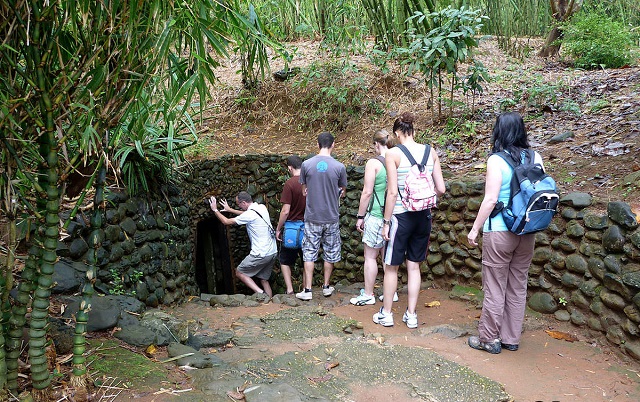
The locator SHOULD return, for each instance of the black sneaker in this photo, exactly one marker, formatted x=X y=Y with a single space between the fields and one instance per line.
x=509 y=346
x=492 y=347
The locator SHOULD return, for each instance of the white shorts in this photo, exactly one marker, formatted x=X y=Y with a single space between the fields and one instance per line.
x=372 y=235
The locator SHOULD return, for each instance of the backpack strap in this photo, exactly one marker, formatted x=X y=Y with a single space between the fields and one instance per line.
x=425 y=157
x=273 y=232
x=406 y=152
x=530 y=153
x=370 y=207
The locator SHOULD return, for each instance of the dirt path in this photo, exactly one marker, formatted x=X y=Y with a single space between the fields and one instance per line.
x=543 y=369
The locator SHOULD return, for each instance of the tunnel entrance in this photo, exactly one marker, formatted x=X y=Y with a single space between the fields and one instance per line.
x=213 y=262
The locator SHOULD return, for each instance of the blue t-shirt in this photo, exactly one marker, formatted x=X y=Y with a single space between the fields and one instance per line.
x=323 y=177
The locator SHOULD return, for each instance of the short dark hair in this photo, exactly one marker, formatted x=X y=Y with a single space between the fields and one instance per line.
x=244 y=196
x=294 y=161
x=325 y=140
x=509 y=134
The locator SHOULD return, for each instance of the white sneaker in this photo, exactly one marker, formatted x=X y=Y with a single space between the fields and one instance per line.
x=395 y=297
x=363 y=299
x=410 y=319
x=304 y=295
x=382 y=318
x=327 y=291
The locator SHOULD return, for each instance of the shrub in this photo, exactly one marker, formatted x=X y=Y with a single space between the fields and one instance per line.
x=595 y=40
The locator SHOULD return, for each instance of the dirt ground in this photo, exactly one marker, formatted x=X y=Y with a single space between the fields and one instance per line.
x=543 y=369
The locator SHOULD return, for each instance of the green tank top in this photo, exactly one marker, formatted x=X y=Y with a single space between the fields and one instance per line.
x=379 y=189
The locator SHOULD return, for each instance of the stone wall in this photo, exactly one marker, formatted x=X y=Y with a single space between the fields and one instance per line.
x=586 y=266
x=146 y=249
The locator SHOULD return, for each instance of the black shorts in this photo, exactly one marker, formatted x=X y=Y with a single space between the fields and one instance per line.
x=408 y=237
x=288 y=256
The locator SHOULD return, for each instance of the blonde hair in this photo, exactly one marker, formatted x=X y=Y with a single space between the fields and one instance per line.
x=381 y=136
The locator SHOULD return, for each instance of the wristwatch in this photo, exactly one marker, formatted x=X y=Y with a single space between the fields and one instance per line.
x=386 y=221
x=359 y=216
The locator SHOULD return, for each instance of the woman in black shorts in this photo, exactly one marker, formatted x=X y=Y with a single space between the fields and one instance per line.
x=407 y=232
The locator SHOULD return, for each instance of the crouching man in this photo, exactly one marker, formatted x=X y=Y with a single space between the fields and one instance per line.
x=259 y=263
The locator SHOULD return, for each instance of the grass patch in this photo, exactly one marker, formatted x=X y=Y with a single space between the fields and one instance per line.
x=467 y=293
x=108 y=358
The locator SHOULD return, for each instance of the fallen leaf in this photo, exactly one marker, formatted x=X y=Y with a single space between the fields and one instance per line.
x=434 y=303
x=320 y=379
x=329 y=366
x=151 y=349
x=561 y=335
x=235 y=395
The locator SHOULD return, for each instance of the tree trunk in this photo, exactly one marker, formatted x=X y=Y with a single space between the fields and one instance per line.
x=561 y=11
x=551 y=47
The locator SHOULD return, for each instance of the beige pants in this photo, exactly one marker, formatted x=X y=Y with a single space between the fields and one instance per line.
x=506 y=258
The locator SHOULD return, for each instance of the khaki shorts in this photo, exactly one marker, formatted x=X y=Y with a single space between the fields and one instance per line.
x=259 y=267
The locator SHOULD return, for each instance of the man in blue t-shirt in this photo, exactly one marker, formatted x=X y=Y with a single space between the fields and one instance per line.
x=324 y=181
x=259 y=262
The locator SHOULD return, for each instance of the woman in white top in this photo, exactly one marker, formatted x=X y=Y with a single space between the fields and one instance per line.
x=407 y=232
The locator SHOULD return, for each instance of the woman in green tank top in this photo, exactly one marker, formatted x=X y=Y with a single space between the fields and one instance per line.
x=370 y=214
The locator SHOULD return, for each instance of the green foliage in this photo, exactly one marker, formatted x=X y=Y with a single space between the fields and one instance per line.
x=598 y=105
x=343 y=26
x=595 y=40
x=280 y=172
x=456 y=130
x=505 y=104
x=627 y=12
x=332 y=93
x=476 y=74
x=511 y=21
x=200 y=148
x=438 y=52
x=537 y=93
x=150 y=141
x=95 y=84
x=389 y=21
x=118 y=282
x=569 y=105
x=252 y=47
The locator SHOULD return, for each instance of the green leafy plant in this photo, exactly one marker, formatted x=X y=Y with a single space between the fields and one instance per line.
x=389 y=20
x=476 y=74
x=506 y=103
x=332 y=93
x=116 y=282
x=562 y=301
x=280 y=172
x=538 y=93
x=438 y=53
x=597 y=105
x=595 y=40
x=569 y=105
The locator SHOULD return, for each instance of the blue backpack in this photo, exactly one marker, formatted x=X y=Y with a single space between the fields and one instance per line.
x=534 y=198
x=293 y=233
